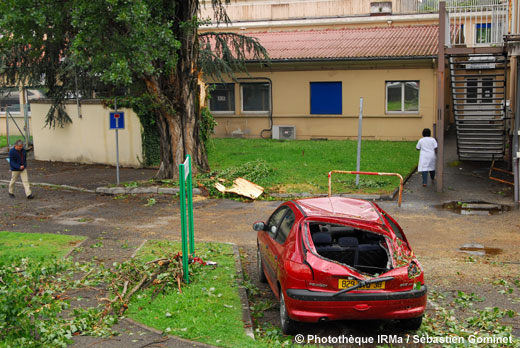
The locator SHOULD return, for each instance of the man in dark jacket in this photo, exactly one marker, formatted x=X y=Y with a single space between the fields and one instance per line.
x=18 y=163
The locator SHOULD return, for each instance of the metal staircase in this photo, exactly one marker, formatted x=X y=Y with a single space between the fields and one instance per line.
x=478 y=92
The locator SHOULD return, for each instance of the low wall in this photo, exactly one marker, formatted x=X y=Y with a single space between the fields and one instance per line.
x=13 y=130
x=87 y=139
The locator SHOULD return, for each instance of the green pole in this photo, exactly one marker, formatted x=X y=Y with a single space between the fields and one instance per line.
x=184 y=231
x=190 y=208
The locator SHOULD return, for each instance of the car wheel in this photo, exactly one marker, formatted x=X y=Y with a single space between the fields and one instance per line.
x=288 y=325
x=260 y=266
x=410 y=324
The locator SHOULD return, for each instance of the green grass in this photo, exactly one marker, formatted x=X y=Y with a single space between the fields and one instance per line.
x=208 y=309
x=35 y=245
x=12 y=138
x=302 y=165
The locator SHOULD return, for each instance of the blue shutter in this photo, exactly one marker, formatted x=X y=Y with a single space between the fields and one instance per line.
x=326 y=98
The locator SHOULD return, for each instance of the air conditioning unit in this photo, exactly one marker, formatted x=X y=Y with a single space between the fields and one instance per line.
x=284 y=132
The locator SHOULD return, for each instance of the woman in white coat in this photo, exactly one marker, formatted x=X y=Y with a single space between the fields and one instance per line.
x=427 y=156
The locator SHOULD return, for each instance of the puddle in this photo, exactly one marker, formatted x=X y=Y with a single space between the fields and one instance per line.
x=479 y=250
x=474 y=208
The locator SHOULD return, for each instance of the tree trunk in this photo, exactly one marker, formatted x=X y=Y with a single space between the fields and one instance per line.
x=178 y=114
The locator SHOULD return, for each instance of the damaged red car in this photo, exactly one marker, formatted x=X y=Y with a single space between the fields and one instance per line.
x=336 y=258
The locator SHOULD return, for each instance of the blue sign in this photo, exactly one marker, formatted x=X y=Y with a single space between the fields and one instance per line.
x=117 y=120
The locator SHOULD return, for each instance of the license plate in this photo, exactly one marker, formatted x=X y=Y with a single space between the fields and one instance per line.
x=347 y=283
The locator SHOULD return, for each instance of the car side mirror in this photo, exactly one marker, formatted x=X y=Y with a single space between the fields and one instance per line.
x=259 y=226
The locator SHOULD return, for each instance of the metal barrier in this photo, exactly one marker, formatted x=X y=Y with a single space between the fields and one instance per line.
x=401 y=183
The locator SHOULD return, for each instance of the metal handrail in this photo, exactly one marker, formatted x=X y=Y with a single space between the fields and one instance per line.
x=401 y=183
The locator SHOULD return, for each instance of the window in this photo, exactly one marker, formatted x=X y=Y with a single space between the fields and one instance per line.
x=222 y=97
x=326 y=98
x=479 y=92
x=402 y=96
x=274 y=221
x=285 y=227
x=256 y=97
x=10 y=99
x=483 y=33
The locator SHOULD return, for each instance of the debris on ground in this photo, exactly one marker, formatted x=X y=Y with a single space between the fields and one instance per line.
x=242 y=187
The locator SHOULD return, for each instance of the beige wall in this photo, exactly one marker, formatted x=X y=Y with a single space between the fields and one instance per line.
x=87 y=139
x=19 y=119
x=291 y=105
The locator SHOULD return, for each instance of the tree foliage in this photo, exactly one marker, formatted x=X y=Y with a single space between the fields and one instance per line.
x=146 y=47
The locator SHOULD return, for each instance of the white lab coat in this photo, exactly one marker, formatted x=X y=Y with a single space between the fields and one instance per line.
x=427 y=146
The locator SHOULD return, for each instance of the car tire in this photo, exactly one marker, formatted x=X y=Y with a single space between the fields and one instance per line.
x=261 y=275
x=411 y=324
x=288 y=325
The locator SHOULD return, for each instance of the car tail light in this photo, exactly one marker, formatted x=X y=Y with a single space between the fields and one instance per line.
x=414 y=270
x=298 y=271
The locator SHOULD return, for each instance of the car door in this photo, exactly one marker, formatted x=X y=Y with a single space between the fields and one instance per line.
x=267 y=243
x=280 y=241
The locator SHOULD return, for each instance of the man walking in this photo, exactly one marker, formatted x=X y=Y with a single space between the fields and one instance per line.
x=18 y=163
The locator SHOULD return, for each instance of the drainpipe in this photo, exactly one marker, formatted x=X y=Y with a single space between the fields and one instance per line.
x=439 y=126
x=270 y=129
x=516 y=149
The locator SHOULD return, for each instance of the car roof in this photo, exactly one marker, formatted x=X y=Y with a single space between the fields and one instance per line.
x=339 y=207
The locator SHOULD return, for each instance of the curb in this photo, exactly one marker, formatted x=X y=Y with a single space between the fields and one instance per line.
x=75 y=247
x=159 y=332
x=42 y=184
x=246 y=313
x=137 y=190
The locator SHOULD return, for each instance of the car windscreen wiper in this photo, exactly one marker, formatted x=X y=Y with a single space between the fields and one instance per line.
x=363 y=283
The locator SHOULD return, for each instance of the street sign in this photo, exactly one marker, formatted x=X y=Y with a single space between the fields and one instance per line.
x=117 y=120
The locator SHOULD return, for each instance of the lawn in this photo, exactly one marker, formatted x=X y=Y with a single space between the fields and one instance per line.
x=12 y=138
x=208 y=309
x=302 y=165
x=35 y=245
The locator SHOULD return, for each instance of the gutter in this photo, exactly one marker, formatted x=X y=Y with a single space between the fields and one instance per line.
x=344 y=59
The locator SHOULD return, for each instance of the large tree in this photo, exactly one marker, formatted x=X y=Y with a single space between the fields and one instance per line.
x=147 y=47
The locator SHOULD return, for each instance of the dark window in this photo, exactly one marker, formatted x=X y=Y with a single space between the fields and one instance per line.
x=274 y=221
x=472 y=85
x=487 y=90
x=222 y=97
x=10 y=100
x=285 y=227
x=326 y=98
x=255 y=97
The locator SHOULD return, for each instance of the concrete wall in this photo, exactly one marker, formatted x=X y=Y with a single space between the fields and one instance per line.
x=291 y=103
x=87 y=139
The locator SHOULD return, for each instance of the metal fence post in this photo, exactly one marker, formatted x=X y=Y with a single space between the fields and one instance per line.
x=184 y=236
x=190 y=207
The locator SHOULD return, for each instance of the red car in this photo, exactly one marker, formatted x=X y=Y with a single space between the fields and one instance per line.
x=337 y=259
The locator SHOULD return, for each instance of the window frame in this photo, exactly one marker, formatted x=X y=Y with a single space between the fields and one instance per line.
x=255 y=112
x=224 y=112
x=403 y=96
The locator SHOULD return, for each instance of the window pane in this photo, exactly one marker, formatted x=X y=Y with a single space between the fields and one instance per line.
x=274 y=220
x=326 y=98
x=9 y=100
x=472 y=91
x=483 y=33
x=393 y=96
x=285 y=227
x=487 y=90
x=411 y=96
x=222 y=97
x=255 y=96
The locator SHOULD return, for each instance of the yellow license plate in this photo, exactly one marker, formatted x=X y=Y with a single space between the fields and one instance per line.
x=347 y=283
